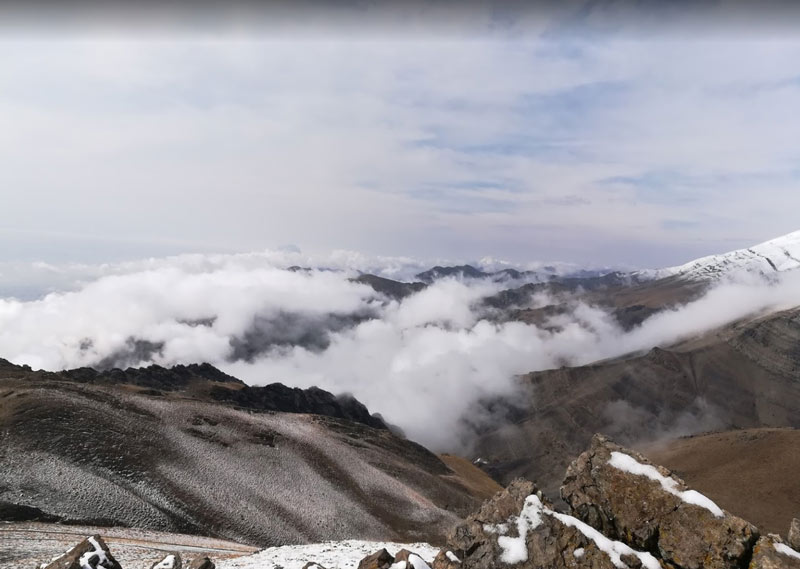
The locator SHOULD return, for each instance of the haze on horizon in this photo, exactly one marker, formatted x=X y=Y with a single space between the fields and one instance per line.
x=596 y=133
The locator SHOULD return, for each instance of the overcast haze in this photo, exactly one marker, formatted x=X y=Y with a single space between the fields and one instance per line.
x=589 y=133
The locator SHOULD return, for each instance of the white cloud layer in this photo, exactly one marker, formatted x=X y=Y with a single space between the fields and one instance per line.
x=422 y=362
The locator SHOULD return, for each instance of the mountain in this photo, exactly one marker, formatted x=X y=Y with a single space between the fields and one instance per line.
x=193 y=450
x=460 y=271
x=776 y=255
x=740 y=376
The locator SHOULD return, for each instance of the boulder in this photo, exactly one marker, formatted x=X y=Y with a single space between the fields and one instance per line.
x=91 y=553
x=519 y=528
x=201 y=563
x=312 y=565
x=771 y=553
x=378 y=560
x=411 y=560
x=446 y=559
x=620 y=493
x=794 y=534
x=170 y=561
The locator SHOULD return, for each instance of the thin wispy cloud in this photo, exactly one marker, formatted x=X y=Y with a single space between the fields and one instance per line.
x=557 y=132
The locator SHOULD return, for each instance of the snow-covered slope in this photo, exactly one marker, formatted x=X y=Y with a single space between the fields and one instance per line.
x=332 y=555
x=777 y=255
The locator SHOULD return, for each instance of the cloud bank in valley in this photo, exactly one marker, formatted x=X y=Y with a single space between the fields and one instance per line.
x=423 y=362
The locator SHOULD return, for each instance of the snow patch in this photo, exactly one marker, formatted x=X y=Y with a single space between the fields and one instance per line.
x=515 y=549
x=578 y=553
x=626 y=463
x=417 y=562
x=786 y=550
x=332 y=554
x=97 y=554
x=614 y=549
x=452 y=557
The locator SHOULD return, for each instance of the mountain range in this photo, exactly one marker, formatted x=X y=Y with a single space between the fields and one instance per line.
x=195 y=450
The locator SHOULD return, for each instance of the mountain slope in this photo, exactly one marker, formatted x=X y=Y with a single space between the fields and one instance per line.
x=741 y=376
x=776 y=255
x=178 y=461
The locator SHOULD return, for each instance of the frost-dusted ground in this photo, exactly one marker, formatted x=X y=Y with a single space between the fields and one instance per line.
x=25 y=545
x=104 y=456
x=331 y=555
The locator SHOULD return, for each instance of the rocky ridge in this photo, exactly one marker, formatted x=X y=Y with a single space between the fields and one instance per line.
x=623 y=513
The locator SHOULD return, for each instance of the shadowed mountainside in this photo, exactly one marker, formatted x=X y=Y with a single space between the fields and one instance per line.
x=168 y=457
x=741 y=376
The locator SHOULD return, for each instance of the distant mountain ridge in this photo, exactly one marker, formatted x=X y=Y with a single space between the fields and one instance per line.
x=774 y=256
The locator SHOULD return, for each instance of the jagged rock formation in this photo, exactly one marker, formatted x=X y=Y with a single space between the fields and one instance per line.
x=91 y=553
x=170 y=561
x=381 y=559
x=794 y=534
x=621 y=494
x=204 y=381
x=625 y=513
x=520 y=527
x=771 y=553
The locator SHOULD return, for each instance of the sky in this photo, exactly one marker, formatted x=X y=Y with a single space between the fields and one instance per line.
x=601 y=133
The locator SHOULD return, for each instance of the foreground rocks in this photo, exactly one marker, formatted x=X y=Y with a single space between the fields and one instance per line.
x=519 y=527
x=91 y=553
x=625 y=513
x=794 y=534
x=771 y=553
x=171 y=561
x=94 y=553
x=621 y=494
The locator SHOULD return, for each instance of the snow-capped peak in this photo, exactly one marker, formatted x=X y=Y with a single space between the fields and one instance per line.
x=776 y=255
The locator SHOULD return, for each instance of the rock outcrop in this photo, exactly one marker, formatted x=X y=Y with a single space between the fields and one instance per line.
x=171 y=561
x=446 y=559
x=771 y=553
x=201 y=563
x=406 y=559
x=518 y=527
x=381 y=559
x=91 y=553
x=618 y=492
x=794 y=534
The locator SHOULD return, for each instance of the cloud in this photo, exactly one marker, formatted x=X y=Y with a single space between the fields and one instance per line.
x=423 y=362
x=344 y=141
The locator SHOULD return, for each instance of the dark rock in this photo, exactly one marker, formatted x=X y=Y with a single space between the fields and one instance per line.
x=771 y=553
x=393 y=289
x=636 y=509
x=378 y=560
x=170 y=561
x=91 y=553
x=312 y=565
x=201 y=563
x=487 y=539
x=794 y=534
x=446 y=559
x=316 y=401
x=411 y=559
